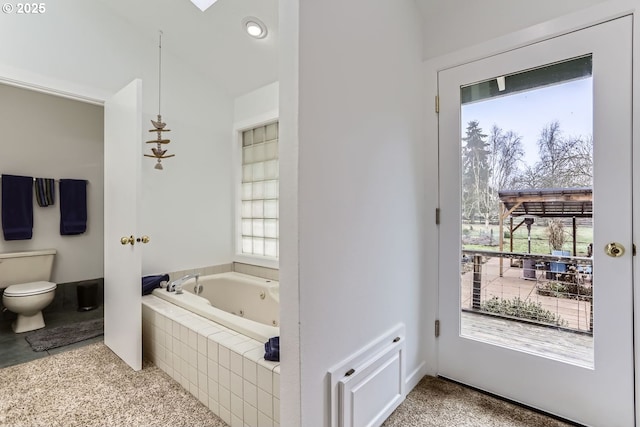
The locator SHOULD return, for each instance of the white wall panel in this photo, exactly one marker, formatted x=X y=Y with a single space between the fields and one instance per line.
x=360 y=192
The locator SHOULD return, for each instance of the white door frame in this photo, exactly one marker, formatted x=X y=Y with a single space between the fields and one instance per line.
x=591 y=16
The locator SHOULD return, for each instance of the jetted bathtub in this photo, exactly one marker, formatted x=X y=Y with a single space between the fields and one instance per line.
x=247 y=304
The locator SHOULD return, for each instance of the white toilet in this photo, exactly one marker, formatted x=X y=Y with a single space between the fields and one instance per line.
x=25 y=276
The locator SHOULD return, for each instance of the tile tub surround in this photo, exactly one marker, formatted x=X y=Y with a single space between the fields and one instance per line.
x=204 y=271
x=225 y=370
x=239 y=267
x=256 y=270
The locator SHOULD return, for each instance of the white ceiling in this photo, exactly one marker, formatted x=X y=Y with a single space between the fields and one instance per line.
x=212 y=42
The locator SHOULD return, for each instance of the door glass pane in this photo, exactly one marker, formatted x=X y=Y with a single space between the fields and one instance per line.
x=527 y=211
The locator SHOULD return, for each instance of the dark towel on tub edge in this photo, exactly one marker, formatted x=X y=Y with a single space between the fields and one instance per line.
x=149 y=283
x=73 y=206
x=17 y=207
x=272 y=349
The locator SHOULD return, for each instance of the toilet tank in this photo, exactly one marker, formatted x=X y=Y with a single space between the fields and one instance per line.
x=24 y=267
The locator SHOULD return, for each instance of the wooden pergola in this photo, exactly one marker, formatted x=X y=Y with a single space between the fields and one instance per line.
x=543 y=203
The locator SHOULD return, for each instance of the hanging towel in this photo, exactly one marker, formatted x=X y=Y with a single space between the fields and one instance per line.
x=272 y=349
x=73 y=206
x=45 y=192
x=17 y=207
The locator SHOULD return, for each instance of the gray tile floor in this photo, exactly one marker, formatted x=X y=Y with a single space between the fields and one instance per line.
x=14 y=349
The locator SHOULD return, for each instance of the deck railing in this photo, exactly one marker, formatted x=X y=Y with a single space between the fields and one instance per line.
x=551 y=290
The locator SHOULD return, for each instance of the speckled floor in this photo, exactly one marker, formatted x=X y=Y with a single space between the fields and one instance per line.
x=435 y=402
x=91 y=386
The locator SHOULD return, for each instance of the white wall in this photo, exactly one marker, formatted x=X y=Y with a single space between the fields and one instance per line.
x=51 y=137
x=186 y=208
x=360 y=186
x=453 y=25
x=256 y=106
x=288 y=144
x=82 y=47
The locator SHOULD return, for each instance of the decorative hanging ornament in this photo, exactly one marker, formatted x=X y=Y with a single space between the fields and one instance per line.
x=159 y=125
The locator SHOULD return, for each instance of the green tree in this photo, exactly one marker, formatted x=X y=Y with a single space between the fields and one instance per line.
x=475 y=171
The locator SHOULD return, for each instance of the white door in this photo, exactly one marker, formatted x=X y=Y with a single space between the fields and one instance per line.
x=577 y=366
x=122 y=262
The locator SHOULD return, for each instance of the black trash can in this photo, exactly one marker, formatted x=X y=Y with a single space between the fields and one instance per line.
x=87 y=295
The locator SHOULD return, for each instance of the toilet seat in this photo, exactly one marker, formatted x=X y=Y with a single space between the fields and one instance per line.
x=29 y=289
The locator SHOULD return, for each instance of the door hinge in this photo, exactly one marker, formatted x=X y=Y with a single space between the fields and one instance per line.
x=437 y=104
x=437 y=328
x=437 y=216
x=633 y=249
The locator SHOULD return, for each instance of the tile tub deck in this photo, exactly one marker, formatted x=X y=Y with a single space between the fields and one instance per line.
x=225 y=370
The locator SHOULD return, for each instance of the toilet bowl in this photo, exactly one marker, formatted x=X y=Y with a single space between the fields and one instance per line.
x=28 y=300
x=25 y=276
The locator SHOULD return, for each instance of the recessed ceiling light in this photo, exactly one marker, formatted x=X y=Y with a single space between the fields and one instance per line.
x=254 y=27
x=203 y=4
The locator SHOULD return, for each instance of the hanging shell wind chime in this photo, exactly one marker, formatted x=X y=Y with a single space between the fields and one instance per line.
x=159 y=125
x=159 y=152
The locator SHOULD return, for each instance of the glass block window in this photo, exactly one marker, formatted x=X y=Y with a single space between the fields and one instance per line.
x=259 y=193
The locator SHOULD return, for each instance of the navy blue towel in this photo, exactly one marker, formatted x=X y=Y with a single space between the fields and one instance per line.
x=17 y=207
x=272 y=349
x=149 y=283
x=45 y=192
x=73 y=206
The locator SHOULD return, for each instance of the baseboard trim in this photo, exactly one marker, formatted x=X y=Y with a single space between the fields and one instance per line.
x=414 y=377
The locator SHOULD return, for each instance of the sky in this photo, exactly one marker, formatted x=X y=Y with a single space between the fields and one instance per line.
x=526 y=113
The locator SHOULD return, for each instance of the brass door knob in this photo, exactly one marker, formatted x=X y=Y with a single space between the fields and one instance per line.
x=130 y=240
x=143 y=239
x=614 y=249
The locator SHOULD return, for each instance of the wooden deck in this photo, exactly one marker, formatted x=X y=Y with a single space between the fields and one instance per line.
x=565 y=346
x=576 y=313
x=572 y=344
